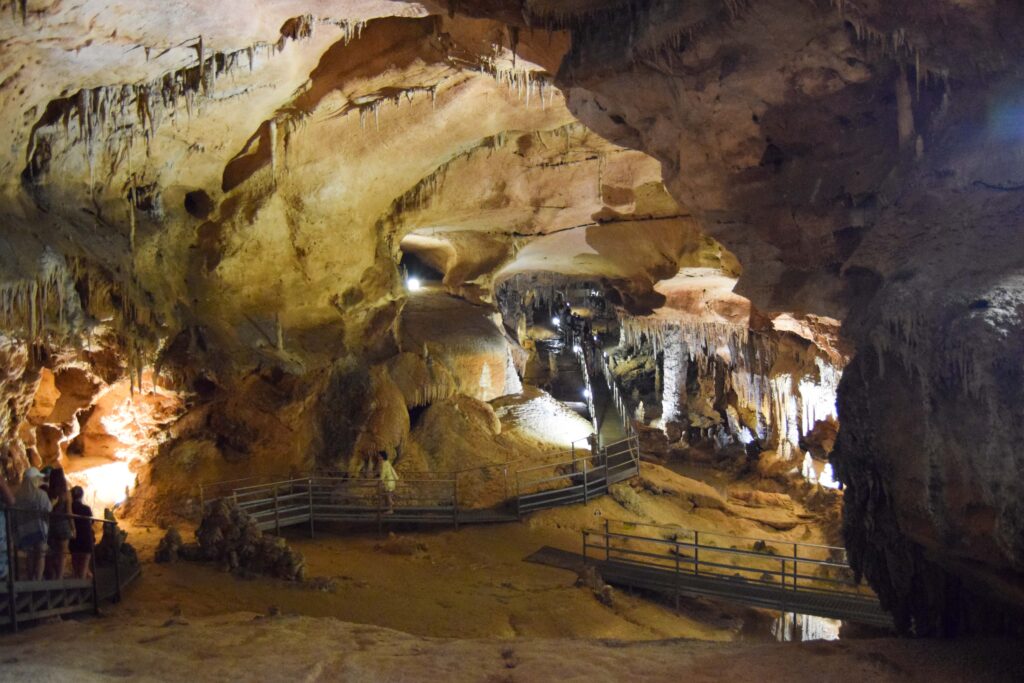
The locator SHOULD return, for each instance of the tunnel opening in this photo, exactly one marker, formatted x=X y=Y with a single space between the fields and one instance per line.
x=418 y=270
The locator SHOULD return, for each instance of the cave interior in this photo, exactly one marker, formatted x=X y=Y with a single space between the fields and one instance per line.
x=775 y=244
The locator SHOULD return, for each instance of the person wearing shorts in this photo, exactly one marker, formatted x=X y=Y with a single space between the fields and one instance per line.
x=33 y=522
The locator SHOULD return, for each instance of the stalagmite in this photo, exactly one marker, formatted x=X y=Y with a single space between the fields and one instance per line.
x=272 y=133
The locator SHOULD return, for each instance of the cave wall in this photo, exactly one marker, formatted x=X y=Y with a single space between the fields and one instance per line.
x=858 y=158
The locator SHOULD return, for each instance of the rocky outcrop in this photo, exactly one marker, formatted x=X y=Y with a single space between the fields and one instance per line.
x=228 y=537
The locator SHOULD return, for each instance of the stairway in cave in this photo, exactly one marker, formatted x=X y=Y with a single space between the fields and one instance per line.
x=567 y=385
x=610 y=428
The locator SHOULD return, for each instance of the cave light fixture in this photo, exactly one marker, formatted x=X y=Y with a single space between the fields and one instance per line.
x=586 y=393
x=556 y=321
x=413 y=284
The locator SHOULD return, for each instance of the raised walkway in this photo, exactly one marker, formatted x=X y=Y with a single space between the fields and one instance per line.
x=777 y=575
x=575 y=477
x=22 y=601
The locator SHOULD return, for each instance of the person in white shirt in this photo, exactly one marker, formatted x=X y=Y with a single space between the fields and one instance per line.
x=33 y=521
x=6 y=501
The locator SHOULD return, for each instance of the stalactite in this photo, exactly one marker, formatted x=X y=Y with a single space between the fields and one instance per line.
x=116 y=114
x=46 y=305
x=786 y=406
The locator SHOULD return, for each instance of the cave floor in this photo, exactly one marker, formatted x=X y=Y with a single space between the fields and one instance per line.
x=244 y=646
x=471 y=583
x=463 y=605
x=474 y=583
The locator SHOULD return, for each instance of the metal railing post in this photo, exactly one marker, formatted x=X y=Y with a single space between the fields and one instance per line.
x=505 y=473
x=696 y=553
x=584 y=546
x=519 y=499
x=586 y=497
x=277 y=514
x=676 y=577
x=95 y=583
x=380 y=506
x=312 y=529
x=12 y=562
x=796 y=557
x=607 y=542
x=117 y=562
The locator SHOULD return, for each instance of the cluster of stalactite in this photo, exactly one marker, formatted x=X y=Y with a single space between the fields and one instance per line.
x=777 y=408
x=527 y=299
x=112 y=117
x=527 y=86
x=420 y=195
x=61 y=305
x=43 y=305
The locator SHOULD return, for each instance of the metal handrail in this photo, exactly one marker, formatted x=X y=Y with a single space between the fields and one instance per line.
x=785 y=575
x=12 y=558
x=570 y=462
x=669 y=527
x=297 y=498
x=682 y=563
x=731 y=551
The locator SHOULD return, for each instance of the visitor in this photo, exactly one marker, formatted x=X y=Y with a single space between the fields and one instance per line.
x=61 y=528
x=84 y=539
x=389 y=479
x=33 y=522
x=6 y=501
x=594 y=443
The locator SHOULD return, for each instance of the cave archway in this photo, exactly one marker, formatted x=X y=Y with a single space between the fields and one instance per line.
x=415 y=267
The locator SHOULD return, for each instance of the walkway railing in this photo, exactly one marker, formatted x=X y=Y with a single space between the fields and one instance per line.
x=617 y=398
x=24 y=600
x=782 y=575
x=210 y=491
x=434 y=499
x=309 y=500
x=578 y=480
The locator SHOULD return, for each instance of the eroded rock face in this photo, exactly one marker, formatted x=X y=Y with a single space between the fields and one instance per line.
x=858 y=161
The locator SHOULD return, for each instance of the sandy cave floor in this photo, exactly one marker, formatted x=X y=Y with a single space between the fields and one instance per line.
x=472 y=583
x=447 y=605
x=243 y=646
